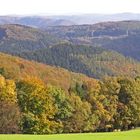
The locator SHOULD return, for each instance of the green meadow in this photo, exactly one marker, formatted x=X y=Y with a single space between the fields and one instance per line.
x=127 y=135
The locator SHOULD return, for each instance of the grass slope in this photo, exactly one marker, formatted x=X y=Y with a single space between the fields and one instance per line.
x=129 y=135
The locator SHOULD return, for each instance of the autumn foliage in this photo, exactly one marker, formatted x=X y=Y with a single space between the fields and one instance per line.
x=40 y=99
x=32 y=107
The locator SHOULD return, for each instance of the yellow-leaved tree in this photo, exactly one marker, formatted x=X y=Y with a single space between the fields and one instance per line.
x=9 y=111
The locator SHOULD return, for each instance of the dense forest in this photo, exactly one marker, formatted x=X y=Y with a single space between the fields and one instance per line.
x=95 y=62
x=31 y=105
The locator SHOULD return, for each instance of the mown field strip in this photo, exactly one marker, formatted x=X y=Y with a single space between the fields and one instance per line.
x=128 y=135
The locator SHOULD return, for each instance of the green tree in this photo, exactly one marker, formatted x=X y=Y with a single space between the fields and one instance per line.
x=110 y=89
x=129 y=96
x=78 y=122
x=38 y=107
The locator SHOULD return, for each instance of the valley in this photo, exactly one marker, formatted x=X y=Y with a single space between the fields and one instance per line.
x=70 y=79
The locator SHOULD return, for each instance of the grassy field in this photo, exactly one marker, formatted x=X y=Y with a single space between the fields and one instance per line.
x=129 y=135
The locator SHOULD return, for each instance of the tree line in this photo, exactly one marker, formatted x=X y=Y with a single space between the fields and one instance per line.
x=31 y=107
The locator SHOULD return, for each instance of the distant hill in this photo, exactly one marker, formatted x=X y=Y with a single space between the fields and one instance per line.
x=43 y=21
x=123 y=36
x=18 y=38
x=35 y=21
x=80 y=51
x=97 y=18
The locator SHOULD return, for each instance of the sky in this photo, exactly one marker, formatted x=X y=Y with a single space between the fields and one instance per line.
x=64 y=7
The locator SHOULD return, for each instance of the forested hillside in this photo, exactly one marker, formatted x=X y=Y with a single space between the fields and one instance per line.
x=122 y=36
x=93 y=58
x=40 y=99
x=19 y=38
x=16 y=68
x=93 y=61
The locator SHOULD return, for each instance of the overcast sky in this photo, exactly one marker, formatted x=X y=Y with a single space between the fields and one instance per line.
x=63 y=7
